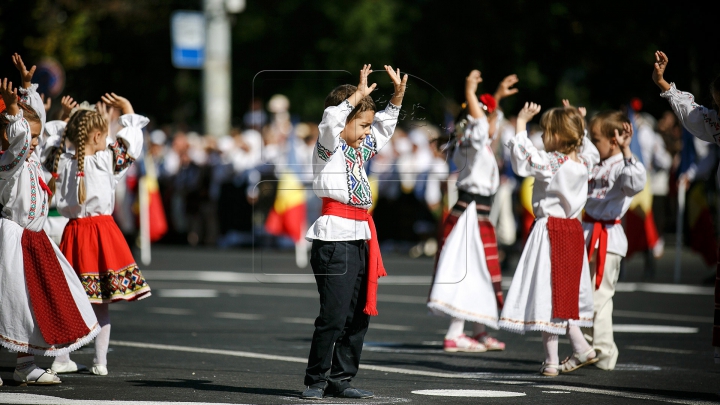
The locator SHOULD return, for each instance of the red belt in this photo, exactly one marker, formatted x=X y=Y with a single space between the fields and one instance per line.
x=599 y=233
x=375 y=266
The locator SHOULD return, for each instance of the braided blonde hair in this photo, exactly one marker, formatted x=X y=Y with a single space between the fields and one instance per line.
x=82 y=123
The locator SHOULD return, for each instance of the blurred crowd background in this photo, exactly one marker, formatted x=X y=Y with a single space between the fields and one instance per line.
x=241 y=189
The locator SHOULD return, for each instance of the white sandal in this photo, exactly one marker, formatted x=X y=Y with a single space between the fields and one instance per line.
x=47 y=377
x=69 y=367
x=578 y=360
x=545 y=366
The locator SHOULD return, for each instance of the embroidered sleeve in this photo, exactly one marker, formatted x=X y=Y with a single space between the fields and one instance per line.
x=50 y=142
x=700 y=121
x=128 y=146
x=31 y=97
x=632 y=177
x=527 y=160
x=332 y=124
x=383 y=128
x=18 y=133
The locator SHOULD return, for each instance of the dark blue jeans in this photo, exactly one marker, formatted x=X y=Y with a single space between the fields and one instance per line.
x=341 y=277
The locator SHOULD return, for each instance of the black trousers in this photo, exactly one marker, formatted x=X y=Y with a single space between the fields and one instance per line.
x=341 y=277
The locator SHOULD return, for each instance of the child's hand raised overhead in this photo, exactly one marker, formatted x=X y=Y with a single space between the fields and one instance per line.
x=399 y=85
x=583 y=110
x=68 y=104
x=10 y=97
x=624 y=138
x=505 y=87
x=25 y=75
x=472 y=81
x=47 y=102
x=104 y=110
x=661 y=62
x=525 y=115
x=121 y=103
x=362 y=88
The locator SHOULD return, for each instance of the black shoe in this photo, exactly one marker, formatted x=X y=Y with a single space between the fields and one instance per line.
x=354 y=393
x=312 y=393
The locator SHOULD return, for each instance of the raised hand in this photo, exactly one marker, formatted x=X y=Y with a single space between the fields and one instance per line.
x=10 y=96
x=25 y=75
x=362 y=88
x=661 y=62
x=525 y=115
x=505 y=87
x=68 y=104
x=121 y=103
x=104 y=110
x=624 y=138
x=472 y=81
x=583 y=110
x=399 y=84
x=47 y=102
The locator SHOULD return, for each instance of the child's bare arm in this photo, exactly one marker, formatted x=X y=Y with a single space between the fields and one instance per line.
x=661 y=62
x=121 y=103
x=471 y=85
x=399 y=85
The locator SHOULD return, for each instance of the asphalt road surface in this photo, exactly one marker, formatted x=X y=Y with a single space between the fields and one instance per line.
x=235 y=327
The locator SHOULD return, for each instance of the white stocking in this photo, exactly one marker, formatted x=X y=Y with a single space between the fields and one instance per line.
x=457 y=328
x=550 y=342
x=577 y=340
x=102 y=341
x=63 y=358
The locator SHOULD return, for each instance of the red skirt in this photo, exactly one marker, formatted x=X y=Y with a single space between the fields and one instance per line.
x=101 y=257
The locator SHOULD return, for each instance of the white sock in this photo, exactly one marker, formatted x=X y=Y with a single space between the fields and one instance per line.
x=550 y=342
x=577 y=340
x=102 y=340
x=457 y=328
x=65 y=358
x=478 y=329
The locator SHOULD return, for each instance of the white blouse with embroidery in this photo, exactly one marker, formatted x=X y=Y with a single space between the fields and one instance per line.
x=339 y=172
x=23 y=199
x=475 y=160
x=561 y=184
x=103 y=171
x=612 y=185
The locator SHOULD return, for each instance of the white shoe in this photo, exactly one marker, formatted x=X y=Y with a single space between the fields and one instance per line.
x=1 y=383
x=34 y=375
x=69 y=367
x=99 y=369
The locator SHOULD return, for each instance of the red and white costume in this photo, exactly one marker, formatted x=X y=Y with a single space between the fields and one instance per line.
x=551 y=287
x=467 y=281
x=92 y=241
x=44 y=307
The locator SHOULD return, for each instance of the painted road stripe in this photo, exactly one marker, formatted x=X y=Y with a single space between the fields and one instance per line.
x=659 y=349
x=623 y=328
x=625 y=394
x=373 y=325
x=170 y=311
x=187 y=293
x=236 y=315
x=664 y=288
x=32 y=399
x=664 y=317
x=470 y=393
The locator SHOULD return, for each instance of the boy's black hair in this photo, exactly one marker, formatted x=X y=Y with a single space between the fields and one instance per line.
x=341 y=93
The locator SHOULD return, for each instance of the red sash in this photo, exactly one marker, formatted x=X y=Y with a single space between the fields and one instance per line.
x=375 y=266
x=599 y=233
x=567 y=251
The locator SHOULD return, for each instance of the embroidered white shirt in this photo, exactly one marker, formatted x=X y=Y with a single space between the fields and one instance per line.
x=339 y=173
x=475 y=160
x=611 y=188
x=561 y=184
x=103 y=171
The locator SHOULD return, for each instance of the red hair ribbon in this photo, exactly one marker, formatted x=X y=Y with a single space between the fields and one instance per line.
x=489 y=102
x=81 y=174
x=2 y=105
x=55 y=175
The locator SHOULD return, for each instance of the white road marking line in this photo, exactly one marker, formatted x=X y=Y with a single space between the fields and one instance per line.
x=187 y=293
x=470 y=393
x=373 y=325
x=665 y=288
x=33 y=399
x=234 y=277
x=237 y=315
x=628 y=328
x=287 y=292
x=170 y=311
x=624 y=394
x=636 y=367
x=664 y=317
x=556 y=392
x=659 y=349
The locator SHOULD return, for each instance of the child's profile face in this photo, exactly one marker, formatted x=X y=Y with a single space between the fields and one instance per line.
x=35 y=128
x=358 y=128
x=605 y=146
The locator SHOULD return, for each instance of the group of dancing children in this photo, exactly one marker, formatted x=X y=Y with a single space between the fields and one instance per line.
x=55 y=299
x=584 y=180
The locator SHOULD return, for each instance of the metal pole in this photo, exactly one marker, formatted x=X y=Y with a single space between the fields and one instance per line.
x=216 y=72
x=679 y=231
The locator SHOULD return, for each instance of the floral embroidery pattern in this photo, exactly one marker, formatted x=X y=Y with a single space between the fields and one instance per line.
x=33 y=193
x=20 y=155
x=120 y=157
x=358 y=187
x=323 y=153
x=557 y=159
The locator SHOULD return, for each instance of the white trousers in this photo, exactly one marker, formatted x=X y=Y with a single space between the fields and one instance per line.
x=602 y=331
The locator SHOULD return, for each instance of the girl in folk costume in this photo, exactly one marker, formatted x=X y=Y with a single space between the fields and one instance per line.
x=611 y=188
x=467 y=280
x=44 y=308
x=704 y=124
x=551 y=290
x=92 y=242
